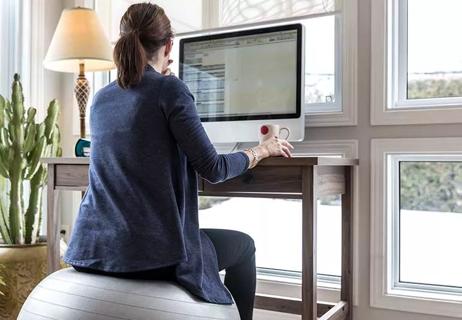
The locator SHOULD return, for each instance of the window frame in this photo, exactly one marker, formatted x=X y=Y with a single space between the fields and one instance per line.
x=394 y=161
x=389 y=103
x=386 y=290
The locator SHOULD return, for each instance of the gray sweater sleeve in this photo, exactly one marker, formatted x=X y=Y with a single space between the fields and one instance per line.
x=178 y=106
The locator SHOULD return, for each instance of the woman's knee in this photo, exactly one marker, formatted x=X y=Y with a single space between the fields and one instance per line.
x=247 y=243
x=231 y=246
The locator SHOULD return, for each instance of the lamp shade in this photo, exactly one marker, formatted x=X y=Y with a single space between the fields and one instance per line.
x=79 y=38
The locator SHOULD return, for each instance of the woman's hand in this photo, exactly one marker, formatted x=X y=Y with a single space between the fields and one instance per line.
x=275 y=147
x=272 y=147
x=167 y=71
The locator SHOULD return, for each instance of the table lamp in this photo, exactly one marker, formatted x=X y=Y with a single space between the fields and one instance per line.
x=79 y=44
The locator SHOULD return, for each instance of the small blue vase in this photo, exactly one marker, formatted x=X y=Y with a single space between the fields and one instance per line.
x=82 y=148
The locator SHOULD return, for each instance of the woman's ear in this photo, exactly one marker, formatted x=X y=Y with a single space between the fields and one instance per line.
x=168 y=47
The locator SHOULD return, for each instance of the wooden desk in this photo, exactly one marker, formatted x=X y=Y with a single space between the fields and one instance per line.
x=305 y=178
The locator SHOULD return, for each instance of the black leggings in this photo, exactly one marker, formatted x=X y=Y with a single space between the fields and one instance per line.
x=235 y=253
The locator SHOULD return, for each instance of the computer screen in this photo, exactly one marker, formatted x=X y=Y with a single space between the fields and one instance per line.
x=244 y=75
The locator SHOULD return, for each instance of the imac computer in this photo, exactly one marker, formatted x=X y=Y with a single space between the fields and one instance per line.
x=244 y=79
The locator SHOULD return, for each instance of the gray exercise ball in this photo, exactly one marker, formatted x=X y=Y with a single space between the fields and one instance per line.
x=71 y=295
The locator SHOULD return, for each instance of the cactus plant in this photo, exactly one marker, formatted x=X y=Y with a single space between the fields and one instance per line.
x=2 y=283
x=22 y=143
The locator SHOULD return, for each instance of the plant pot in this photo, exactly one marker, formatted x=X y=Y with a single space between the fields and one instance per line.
x=24 y=267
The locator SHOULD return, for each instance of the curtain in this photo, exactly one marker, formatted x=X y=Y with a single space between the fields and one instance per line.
x=233 y=12
x=22 y=50
x=10 y=11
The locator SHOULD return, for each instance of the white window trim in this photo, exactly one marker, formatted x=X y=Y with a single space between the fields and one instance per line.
x=326 y=291
x=388 y=108
x=383 y=294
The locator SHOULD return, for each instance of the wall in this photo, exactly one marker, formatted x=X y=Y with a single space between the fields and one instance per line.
x=364 y=132
x=52 y=87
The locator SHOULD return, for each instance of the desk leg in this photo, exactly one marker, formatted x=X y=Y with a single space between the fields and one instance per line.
x=52 y=222
x=346 y=293
x=309 y=274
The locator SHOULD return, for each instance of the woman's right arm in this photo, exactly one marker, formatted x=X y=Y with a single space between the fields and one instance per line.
x=178 y=105
x=272 y=147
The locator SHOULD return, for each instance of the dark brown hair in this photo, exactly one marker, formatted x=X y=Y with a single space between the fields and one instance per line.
x=144 y=29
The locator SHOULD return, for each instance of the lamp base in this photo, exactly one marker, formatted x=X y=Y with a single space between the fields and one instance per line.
x=82 y=93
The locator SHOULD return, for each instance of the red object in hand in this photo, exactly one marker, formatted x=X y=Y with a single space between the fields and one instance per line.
x=264 y=129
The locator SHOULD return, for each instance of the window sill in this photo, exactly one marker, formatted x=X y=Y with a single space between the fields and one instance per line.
x=431 y=303
x=426 y=295
x=427 y=104
x=331 y=119
x=403 y=115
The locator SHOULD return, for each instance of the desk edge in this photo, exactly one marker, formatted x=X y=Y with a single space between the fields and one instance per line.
x=276 y=161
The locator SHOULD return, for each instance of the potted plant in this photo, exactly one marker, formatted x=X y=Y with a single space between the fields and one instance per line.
x=22 y=143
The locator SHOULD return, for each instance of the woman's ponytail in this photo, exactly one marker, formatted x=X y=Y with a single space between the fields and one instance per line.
x=144 y=29
x=130 y=59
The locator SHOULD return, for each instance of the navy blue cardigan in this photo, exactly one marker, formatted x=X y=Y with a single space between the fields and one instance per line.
x=140 y=211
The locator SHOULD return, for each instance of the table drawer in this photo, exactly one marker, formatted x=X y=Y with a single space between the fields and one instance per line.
x=261 y=180
x=71 y=175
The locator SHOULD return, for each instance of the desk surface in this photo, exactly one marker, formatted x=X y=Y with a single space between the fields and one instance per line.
x=273 y=161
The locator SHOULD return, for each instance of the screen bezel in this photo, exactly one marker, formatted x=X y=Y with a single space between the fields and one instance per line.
x=297 y=27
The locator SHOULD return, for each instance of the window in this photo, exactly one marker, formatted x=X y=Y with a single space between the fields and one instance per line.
x=434 y=68
x=427 y=67
x=416 y=223
x=184 y=15
x=330 y=50
x=430 y=203
x=322 y=68
x=416 y=77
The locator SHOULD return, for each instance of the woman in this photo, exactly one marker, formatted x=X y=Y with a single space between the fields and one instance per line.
x=139 y=216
